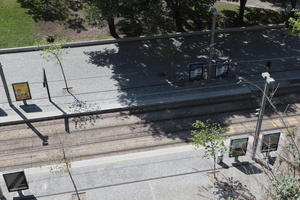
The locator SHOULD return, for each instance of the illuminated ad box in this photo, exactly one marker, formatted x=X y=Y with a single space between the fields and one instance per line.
x=238 y=146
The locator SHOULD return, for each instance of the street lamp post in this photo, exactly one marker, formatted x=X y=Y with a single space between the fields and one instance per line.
x=269 y=80
x=212 y=41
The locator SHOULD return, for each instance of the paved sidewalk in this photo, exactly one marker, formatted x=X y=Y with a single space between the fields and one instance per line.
x=271 y=4
x=173 y=173
x=145 y=72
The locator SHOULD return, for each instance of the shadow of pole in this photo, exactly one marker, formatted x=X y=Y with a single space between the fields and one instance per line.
x=66 y=119
x=46 y=85
x=23 y=197
x=42 y=137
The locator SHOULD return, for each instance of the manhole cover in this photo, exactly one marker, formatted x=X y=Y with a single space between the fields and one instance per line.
x=82 y=196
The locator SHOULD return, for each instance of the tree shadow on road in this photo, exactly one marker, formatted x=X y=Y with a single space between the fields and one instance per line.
x=247 y=168
x=147 y=71
x=229 y=188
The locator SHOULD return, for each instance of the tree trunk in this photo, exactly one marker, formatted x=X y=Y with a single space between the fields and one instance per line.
x=293 y=4
x=215 y=165
x=112 y=28
x=62 y=70
x=178 y=21
x=242 y=11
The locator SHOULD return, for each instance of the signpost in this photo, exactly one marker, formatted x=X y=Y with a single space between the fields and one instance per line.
x=16 y=181
x=22 y=91
x=196 y=71
x=238 y=147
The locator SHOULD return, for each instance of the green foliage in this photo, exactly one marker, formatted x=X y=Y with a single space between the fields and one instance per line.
x=55 y=10
x=292 y=148
x=294 y=23
x=54 y=51
x=106 y=9
x=181 y=10
x=103 y=10
x=209 y=135
x=287 y=188
x=252 y=16
x=142 y=17
x=284 y=181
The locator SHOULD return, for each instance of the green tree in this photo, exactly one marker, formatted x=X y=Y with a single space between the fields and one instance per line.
x=285 y=175
x=56 y=52
x=209 y=135
x=242 y=11
x=143 y=17
x=100 y=11
x=181 y=10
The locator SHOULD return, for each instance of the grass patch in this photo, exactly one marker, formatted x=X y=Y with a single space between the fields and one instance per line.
x=225 y=6
x=253 y=16
x=16 y=27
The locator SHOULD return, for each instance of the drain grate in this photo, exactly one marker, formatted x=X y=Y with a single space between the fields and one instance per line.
x=82 y=196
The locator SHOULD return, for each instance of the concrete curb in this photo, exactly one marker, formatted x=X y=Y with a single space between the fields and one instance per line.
x=202 y=101
x=142 y=38
x=207 y=100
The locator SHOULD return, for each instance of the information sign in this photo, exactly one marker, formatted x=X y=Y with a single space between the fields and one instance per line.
x=196 y=71
x=16 y=181
x=238 y=146
x=22 y=91
x=270 y=141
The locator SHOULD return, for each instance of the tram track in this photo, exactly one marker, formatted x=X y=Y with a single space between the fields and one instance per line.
x=116 y=139
x=125 y=132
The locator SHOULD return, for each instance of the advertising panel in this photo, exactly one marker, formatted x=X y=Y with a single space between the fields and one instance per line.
x=238 y=146
x=270 y=141
x=21 y=91
x=196 y=71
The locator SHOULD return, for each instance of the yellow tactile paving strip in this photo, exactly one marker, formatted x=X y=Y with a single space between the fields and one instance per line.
x=268 y=124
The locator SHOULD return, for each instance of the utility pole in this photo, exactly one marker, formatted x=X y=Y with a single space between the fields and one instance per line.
x=5 y=85
x=212 y=41
x=268 y=80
